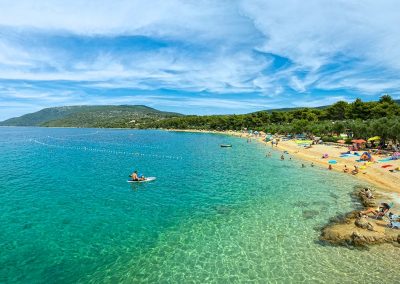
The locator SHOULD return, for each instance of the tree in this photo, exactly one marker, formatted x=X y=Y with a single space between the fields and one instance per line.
x=337 y=111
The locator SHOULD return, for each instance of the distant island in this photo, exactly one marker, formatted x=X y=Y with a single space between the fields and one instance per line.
x=361 y=118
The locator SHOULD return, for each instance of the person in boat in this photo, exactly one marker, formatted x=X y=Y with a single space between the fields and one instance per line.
x=137 y=177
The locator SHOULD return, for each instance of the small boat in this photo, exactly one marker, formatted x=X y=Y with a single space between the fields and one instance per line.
x=226 y=145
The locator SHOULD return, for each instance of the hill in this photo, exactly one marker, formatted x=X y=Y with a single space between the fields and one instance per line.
x=139 y=116
x=298 y=108
x=91 y=116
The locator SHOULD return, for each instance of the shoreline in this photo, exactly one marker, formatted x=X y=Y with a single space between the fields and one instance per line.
x=375 y=175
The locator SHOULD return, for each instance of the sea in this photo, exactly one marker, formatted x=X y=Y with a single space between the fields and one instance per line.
x=213 y=215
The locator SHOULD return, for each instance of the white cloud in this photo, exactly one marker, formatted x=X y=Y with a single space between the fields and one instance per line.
x=331 y=45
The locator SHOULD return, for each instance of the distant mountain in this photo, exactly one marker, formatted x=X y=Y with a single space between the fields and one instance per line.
x=90 y=116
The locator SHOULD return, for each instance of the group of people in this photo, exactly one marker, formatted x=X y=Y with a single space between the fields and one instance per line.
x=381 y=211
x=354 y=172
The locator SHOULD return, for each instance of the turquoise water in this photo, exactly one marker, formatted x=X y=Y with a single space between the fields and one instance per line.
x=214 y=214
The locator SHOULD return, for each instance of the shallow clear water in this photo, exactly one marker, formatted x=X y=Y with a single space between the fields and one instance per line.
x=213 y=214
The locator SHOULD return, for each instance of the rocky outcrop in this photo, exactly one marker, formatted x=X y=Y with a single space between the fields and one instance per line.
x=363 y=223
x=355 y=230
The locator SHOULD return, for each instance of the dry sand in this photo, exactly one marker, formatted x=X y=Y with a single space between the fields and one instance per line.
x=373 y=173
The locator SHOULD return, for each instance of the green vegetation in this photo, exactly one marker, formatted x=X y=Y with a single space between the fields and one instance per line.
x=91 y=116
x=363 y=119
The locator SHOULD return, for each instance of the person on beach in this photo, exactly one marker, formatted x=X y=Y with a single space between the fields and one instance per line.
x=355 y=171
x=368 y=193
x=345 y=169
x=330 y=167
x=380 y=212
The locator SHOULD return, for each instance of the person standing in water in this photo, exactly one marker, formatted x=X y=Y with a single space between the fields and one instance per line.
x=282 y=158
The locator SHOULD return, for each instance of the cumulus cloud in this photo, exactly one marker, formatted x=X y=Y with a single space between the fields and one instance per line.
x=242 y=54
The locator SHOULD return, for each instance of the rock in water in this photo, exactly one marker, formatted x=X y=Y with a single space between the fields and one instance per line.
x=363 y=223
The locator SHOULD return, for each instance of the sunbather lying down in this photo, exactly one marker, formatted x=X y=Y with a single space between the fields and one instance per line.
x=380 y=212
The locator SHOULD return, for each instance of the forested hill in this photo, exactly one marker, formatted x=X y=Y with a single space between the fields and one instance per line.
x=139 y=116
x=297 y=108
x=129 y=116
x=364 y=119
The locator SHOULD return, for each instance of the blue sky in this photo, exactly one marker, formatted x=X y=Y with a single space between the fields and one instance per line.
x=197 y=57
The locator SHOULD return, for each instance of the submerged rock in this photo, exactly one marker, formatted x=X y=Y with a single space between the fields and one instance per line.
x=223 y=209
x=309 y=214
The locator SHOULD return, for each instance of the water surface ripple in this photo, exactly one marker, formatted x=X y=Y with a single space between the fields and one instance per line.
x=214 y=214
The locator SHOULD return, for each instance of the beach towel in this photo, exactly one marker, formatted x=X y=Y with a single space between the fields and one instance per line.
x=385 y=159
x=386 y=166
x=348 y=155
x=394 y=225
x=332 y=161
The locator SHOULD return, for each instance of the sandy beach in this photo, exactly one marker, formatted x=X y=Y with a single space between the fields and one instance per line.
x=372 y=173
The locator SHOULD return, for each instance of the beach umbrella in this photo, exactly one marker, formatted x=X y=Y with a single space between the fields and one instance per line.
x=341 y=141
x=374 y=138
x=358 y=141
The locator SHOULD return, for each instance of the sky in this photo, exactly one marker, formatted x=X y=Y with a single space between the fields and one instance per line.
x=197 y=57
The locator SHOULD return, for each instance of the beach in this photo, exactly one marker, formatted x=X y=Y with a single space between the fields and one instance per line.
x=373 y=173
